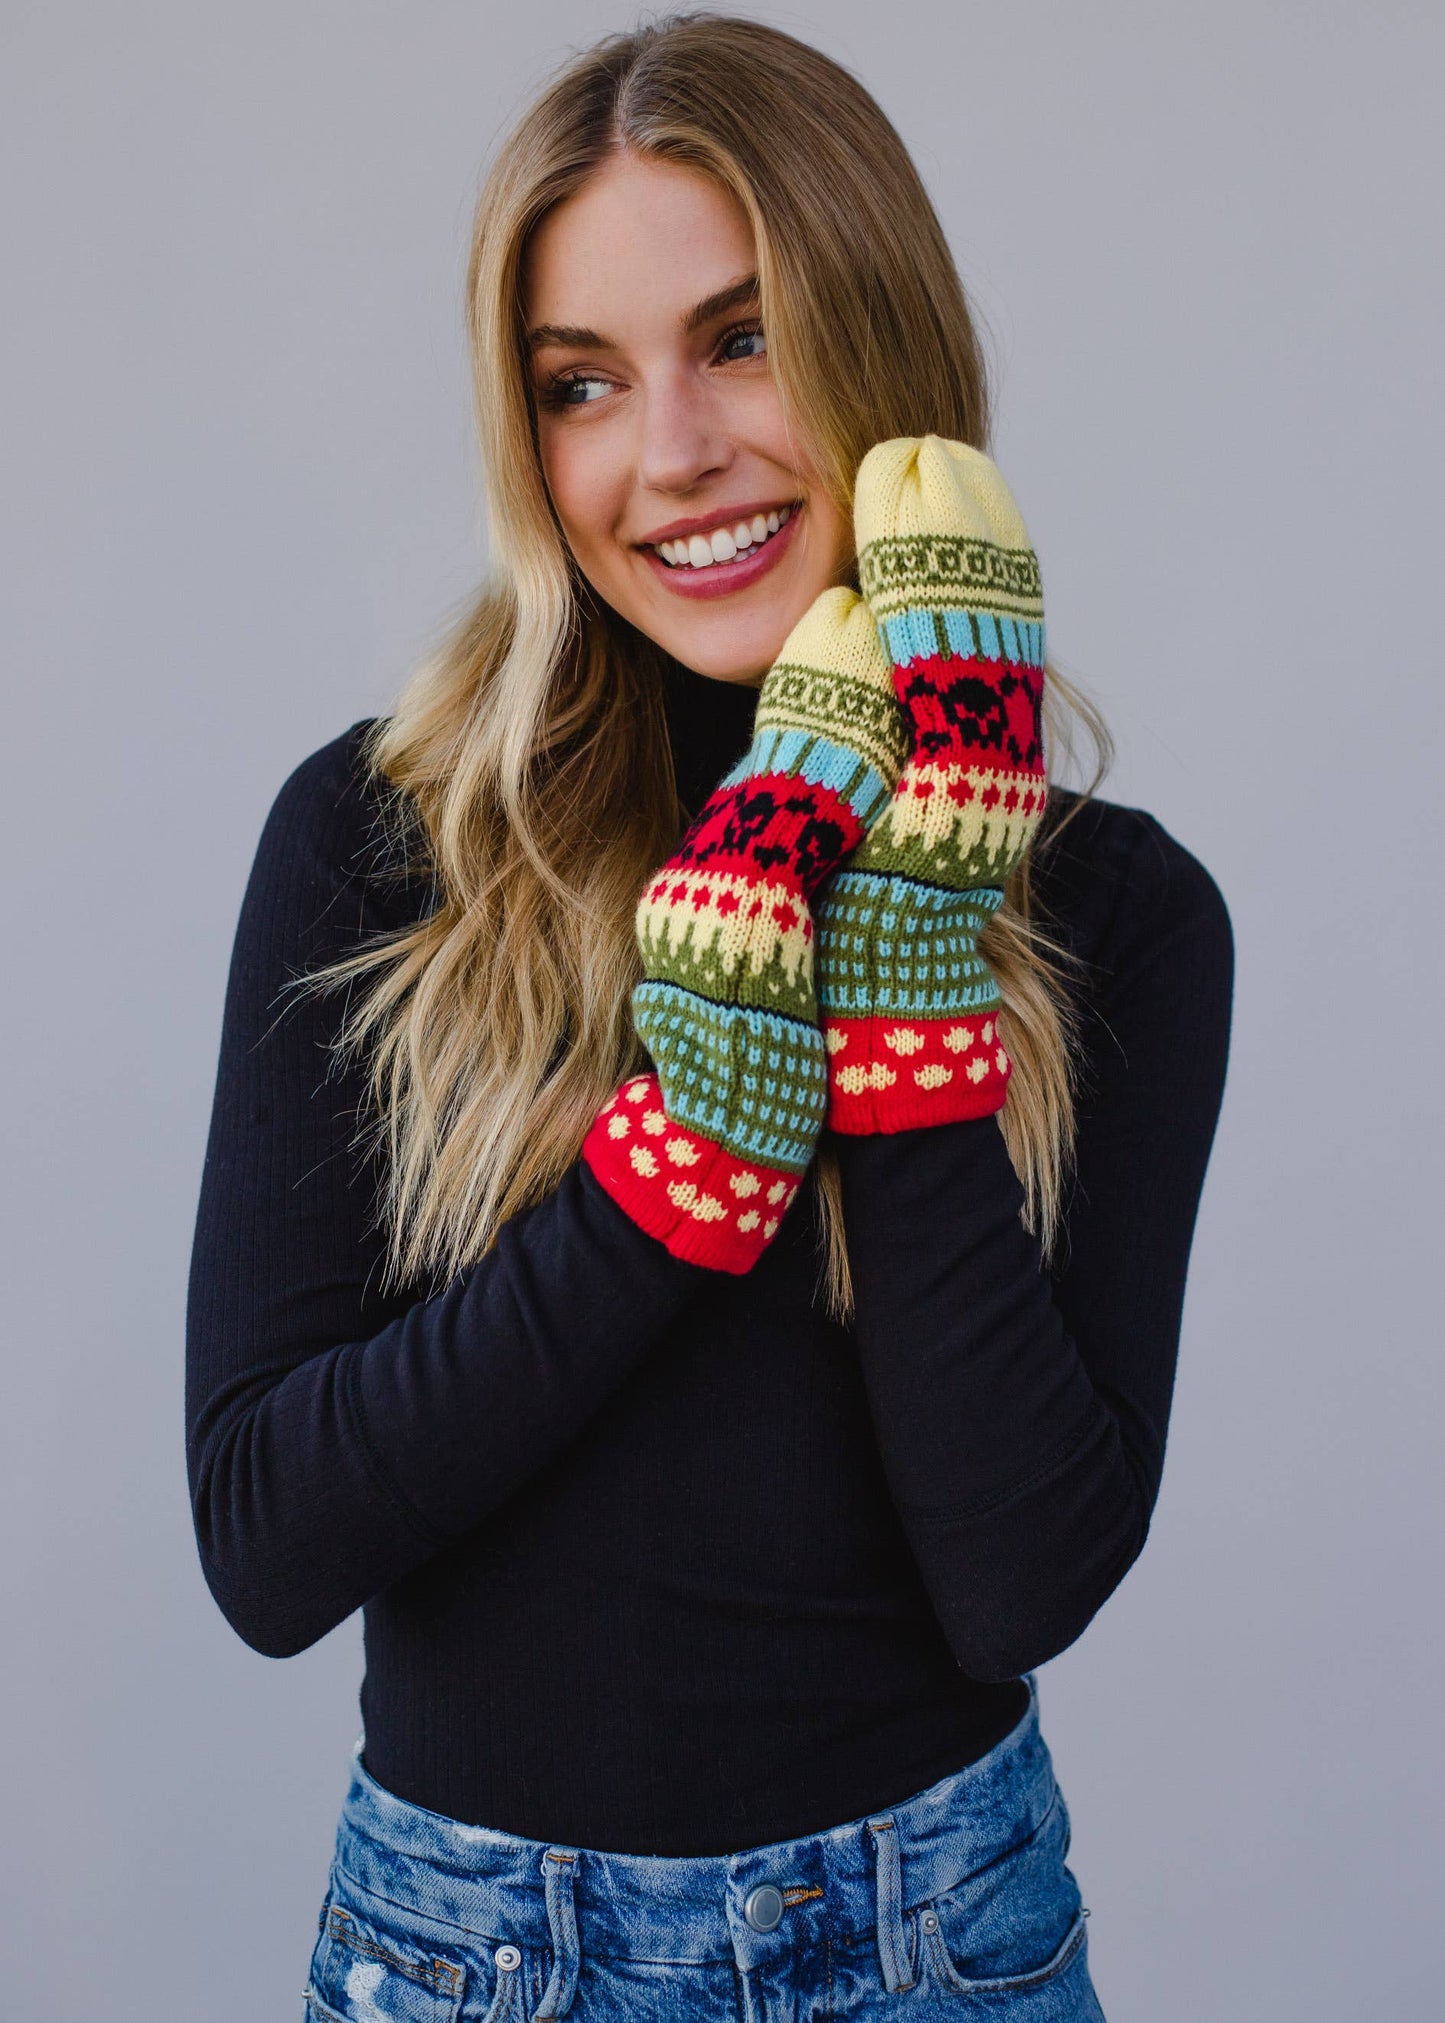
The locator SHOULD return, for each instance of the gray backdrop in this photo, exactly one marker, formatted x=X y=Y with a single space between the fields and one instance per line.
x=239 y=494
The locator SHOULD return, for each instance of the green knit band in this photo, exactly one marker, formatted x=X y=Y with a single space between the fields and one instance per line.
x=952 y=852
x=836 y=705
x=752 y=1082
x=893 y=947
x=949 y=570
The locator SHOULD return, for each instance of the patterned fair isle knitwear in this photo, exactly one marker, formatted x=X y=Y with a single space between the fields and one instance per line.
x=706 y=1153
x=909 y=1005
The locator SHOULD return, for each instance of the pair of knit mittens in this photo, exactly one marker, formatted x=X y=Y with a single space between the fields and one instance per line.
x=810 y=952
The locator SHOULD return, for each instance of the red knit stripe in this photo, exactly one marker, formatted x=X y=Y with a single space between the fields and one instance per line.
x=797 y=828
x=975 y=783
x=699 y=1200
x=983 y=712
x=894 y=1074
x=712 y=888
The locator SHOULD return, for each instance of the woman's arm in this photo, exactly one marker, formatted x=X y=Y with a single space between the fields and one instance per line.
x=336 y=1439
x=1022 y=1418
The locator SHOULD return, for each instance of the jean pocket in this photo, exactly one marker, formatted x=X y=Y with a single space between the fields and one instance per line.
x=364 y=1972
x=1054 y=1988
x=318 y=2011
x=1014 y=1929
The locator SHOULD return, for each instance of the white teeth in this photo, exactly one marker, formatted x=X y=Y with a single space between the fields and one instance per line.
x=701 y=551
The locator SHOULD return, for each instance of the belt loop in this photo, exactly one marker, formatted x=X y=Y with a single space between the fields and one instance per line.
x=559 y=1866
x=892 y=1944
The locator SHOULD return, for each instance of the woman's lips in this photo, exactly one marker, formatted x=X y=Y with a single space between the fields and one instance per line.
x=720 y=579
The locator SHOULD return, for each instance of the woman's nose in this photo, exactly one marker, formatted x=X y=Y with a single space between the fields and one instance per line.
x=683 y=439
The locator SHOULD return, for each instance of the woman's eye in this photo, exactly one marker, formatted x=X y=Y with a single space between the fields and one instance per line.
x=563 y=392
x=745 y=334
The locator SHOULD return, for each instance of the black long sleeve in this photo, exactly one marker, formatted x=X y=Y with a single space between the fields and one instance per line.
x=653 y=1558
x=1021 y=1414
x=335 y=1440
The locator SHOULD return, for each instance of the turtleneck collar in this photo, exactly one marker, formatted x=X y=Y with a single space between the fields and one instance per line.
x=709 y=726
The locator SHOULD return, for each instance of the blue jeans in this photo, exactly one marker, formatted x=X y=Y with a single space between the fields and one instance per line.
x=955 y=1904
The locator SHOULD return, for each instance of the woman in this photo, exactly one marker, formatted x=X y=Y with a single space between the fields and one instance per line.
x=718 y=1317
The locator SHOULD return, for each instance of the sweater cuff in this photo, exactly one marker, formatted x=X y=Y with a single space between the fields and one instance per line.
x=703 y=1203
x=899 y=1074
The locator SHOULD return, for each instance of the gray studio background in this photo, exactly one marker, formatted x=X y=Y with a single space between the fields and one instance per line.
x=238 y=497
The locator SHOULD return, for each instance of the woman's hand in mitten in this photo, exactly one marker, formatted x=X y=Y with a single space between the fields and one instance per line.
x=909 y=1004
x=706 y=1153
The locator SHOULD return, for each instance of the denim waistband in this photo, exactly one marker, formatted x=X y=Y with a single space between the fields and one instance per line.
x=743 y=1907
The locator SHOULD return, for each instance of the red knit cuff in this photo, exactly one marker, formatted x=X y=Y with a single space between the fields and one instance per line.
x=895 y=1074
x=701 y=1202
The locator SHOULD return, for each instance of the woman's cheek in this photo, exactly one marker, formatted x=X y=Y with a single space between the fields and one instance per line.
x=582 y=496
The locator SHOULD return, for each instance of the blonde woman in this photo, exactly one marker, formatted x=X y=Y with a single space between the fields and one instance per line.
x=717 y=1317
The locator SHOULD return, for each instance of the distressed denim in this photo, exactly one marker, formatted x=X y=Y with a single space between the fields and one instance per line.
x=955 y=1904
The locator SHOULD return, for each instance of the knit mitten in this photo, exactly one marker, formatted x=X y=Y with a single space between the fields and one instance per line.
x=707 y=1152
x=909 y=1004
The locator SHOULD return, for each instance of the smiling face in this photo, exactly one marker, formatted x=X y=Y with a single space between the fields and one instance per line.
x=662 y=436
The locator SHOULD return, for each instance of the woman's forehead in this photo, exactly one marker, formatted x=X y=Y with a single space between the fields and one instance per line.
x=642 y=242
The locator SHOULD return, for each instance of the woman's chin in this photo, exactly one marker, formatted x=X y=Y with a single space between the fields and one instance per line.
x=724 y=662
x=728 y=645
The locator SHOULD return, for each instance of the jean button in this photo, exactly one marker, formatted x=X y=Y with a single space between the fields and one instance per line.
x=507 y=1958
x=764 y=1907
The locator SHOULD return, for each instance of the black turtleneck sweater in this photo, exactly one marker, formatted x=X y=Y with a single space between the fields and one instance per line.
x=652 y=1558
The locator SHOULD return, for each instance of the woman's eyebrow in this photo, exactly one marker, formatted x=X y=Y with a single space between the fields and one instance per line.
x=732 y=297
x=573 y=336
x=578 y=337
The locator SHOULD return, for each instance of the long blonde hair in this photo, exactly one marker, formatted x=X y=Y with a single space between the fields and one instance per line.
x=530 y=753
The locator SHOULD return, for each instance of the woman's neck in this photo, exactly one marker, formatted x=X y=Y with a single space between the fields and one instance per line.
x=709 y=724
